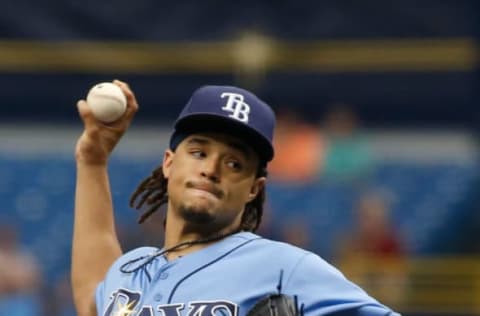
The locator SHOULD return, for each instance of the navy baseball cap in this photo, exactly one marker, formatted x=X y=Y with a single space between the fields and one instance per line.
x=229 y=110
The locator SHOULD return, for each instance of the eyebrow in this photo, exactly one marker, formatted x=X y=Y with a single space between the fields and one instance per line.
x=232 y=144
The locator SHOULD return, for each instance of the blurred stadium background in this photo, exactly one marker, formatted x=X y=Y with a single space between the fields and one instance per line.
x=377 y=167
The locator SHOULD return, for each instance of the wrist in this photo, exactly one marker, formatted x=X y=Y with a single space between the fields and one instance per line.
x=88 y=161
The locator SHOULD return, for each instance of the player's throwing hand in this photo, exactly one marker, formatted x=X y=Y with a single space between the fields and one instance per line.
x=99 y=139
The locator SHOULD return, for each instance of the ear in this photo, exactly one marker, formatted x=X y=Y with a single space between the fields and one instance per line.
x=167 y=162
x=257 y=186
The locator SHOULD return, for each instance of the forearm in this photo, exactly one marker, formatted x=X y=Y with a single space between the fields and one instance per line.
x=95 y=243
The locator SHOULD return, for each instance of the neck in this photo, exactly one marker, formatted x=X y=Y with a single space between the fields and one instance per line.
x=178 y=231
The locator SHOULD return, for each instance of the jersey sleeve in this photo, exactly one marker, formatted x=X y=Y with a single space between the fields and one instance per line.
x=115 y=278
x=323 y=290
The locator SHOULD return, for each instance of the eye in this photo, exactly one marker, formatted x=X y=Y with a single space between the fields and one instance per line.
x=198 y=154
x=233 y=164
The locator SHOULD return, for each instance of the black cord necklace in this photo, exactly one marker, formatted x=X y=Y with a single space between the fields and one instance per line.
x=185 y=244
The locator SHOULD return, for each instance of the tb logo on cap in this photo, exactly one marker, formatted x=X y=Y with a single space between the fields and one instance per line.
x=236 y=106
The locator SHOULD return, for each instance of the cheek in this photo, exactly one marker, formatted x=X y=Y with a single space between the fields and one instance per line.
x=176 y=176
x=239 y=192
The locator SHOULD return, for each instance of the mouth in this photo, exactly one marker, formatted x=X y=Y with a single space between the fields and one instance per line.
x=205 y=189
x=204 y=194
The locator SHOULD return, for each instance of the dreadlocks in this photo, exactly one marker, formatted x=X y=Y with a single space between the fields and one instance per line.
x=151 y=193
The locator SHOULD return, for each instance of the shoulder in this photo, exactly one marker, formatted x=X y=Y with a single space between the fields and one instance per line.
x=288 y=256
x=283 y=250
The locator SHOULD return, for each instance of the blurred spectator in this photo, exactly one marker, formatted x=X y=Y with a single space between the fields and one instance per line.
x=373 y=233
x=297 y=149
x=347 y=155
x=372 y=253
x=20 y=277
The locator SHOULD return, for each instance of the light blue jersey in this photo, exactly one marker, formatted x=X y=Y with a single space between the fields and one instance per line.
x=227 y=278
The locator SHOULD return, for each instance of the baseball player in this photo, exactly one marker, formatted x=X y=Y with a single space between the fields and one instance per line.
x=212 y=181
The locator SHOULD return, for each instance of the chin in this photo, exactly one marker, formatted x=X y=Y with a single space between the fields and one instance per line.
x=197 y=215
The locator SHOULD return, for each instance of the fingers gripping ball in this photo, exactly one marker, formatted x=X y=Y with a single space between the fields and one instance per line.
x=107 y=102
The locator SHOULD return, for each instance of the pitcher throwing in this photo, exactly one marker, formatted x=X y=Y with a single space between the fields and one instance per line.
x=212 y=181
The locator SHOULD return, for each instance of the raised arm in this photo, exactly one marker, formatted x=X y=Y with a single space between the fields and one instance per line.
x=95 y=244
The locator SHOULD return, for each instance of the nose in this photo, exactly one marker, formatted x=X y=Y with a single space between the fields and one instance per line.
x=211 y=169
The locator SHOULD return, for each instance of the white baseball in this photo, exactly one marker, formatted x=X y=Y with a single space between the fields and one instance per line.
x=107 y=102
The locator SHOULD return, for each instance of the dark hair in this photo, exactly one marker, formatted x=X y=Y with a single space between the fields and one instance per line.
x=151 y=194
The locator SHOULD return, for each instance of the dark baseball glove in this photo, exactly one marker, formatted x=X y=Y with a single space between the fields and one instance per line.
x=275 y=305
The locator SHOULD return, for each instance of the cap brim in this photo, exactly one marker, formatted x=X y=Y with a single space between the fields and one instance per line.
x=214 y=123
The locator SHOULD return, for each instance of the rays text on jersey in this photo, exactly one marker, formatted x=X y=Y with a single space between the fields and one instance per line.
x=127 y=303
